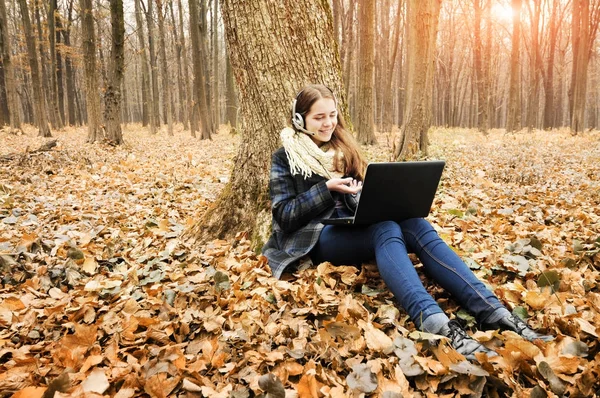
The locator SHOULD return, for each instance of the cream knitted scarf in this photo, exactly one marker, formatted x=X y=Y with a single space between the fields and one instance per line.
x=305 y=157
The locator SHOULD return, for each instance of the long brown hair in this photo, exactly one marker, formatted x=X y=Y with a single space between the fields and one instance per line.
x=352 y=163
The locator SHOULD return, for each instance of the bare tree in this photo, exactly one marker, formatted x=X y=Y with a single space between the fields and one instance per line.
x=365 y=111
x=201 y=113
x=147 y=106
x=422 y=32
x=58 y=123
x=40 y=113
x=112 y=95
x=92 y=96
x=513 y=120
x=9 y=73
x=166 y=87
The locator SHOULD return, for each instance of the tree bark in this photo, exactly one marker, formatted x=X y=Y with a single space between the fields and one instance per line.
x=181 y=83
x=186 y=70
x=275 y=49
x=549 y=111
x=112 y=96
x=482 y=119
x=73 y=116
x=215 y=45
x=40 y=113
x=365 y=111
x=232 y=104
x=422 y=32
x=166 y=87
x=14 y=118
x=200 y=102
x=154 y=95
x=147 y=107
x=92 y=96
x=513 y=119
x=52 y=17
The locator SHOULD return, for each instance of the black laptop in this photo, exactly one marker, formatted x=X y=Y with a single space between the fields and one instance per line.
x=395 y=191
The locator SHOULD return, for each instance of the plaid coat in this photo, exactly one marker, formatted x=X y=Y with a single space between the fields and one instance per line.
x=298 y=204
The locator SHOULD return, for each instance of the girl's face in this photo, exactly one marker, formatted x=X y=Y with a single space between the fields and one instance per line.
x=321 y=119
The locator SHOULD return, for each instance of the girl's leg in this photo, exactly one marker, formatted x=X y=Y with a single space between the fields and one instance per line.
x=447 y=269
x=384 y=242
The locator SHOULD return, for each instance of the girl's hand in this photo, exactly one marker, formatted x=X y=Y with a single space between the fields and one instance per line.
x=344 y=185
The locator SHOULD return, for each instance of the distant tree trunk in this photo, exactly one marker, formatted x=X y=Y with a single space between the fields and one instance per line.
x=181 y=82
x=54 y=64
x=166 y=86
x=73 y=116
x=482 y=118
x=535 y=65
x=365 y=111
x=59 y=71
x=268 y=73
x=92 y=96
x=39 y=113
x=9 y=72
x=154 y=103
x=112 y=96
x=205 y=106
x=200 y=102
x=232 y=105
x=186 y=71
x=422 y=32
x=585 y=26
x=388 y=82
x=147 y=107
x=215 y=45
x=347 y=46
x=549 y=111
x=513 y=119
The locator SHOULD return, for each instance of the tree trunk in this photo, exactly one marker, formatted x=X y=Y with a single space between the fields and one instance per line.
x=232 y=105
x=549 y=111
x=59 y=72
x=365 y=111
x=582 y=44
x=215 y=41
x=72 y=114
x=205 y=105
x=200 y=102
x=513 y=119
x=166 y=87
x=181 y=83
x=482 y=119
x=268 y=72
x=54 y=64
x=155 y=97
x=186 y=70
x=9 y=72
x=39 y=108
x=112 y=96
x=147 y=107
x=422 y=26
x=92 y=95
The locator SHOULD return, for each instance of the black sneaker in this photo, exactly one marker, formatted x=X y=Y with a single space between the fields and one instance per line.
x=517 y=325
x=463 y=343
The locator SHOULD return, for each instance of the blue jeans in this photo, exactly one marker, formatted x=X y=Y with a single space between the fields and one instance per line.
x=388 y=243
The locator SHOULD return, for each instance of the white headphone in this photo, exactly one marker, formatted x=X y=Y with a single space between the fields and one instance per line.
x=298 y=119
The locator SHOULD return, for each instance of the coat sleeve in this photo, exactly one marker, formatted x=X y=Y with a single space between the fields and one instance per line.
x=293 y=209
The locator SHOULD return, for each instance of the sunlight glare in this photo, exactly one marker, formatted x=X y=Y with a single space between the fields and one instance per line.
x=502 y=12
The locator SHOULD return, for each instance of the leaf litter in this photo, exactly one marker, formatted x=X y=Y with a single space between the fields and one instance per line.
x=99 y=297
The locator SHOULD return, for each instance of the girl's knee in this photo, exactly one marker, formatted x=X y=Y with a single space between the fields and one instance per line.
x=386 y=230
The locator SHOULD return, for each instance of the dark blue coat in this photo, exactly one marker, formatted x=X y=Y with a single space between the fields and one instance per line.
x=298 y=206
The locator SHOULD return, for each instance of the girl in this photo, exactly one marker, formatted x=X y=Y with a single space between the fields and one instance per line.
x=317 y=174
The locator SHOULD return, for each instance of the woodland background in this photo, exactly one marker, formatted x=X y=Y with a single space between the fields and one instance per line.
x=129 y=124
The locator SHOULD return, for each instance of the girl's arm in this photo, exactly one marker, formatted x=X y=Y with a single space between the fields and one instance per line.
x=292 y=209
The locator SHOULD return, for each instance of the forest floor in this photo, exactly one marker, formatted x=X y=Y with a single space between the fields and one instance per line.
x=99 y=297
